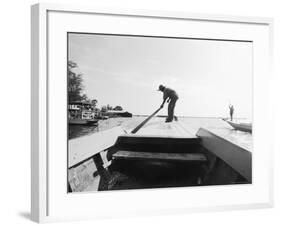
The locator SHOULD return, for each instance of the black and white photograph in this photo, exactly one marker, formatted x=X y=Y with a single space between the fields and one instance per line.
x=153 y=112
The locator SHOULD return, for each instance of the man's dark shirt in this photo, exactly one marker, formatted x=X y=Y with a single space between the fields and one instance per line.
x=169 y=93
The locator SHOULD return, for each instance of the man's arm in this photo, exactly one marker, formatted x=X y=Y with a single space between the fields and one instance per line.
x=164 y=100
x=165 y=97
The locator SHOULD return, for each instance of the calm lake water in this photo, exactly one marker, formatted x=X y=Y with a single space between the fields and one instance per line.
x=216 y=125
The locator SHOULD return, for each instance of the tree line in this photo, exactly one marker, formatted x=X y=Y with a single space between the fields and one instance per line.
x=75 y=88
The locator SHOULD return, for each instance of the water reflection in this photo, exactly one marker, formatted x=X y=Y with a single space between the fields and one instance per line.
x=75 y=131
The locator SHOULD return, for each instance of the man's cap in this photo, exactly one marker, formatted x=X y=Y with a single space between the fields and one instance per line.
x=161 y=87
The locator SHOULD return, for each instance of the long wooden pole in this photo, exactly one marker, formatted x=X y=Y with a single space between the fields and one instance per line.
x=145 y=121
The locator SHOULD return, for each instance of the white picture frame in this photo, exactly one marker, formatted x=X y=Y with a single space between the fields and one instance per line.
x=49 y=202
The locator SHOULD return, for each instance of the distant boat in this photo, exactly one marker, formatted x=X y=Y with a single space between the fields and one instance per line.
x=245 y=127
x=102 y=117
x=81 y=113
x=79 y=121
x=115 y=113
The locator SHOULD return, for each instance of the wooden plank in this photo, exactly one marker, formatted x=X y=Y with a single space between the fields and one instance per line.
x=162 y=129
x=84 y=147
x=179 y=157
x=81 y=177
x=94 y=186
x=234 y=155
x=145 y=121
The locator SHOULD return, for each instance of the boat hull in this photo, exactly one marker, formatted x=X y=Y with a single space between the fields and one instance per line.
x=171 y=157
x=245 y=127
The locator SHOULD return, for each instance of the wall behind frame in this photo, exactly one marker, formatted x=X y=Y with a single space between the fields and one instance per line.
x=15 y=93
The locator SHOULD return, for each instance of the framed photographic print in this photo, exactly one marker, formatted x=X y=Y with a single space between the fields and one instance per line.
x=147 y=112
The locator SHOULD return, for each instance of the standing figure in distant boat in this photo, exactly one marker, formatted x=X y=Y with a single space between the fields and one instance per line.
x=171 y=97
x=231 y=111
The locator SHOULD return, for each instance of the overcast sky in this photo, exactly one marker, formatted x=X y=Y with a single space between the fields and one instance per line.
x=126 y=71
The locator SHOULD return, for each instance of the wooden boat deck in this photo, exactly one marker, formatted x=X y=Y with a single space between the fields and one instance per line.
x=85 y=147
x=156 y=141
x=159 y=136
x=158 y=128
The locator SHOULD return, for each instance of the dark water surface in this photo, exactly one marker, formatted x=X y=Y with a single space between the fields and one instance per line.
x=75 y=131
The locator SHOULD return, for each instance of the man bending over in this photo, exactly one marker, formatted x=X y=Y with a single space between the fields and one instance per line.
x=170 y=96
